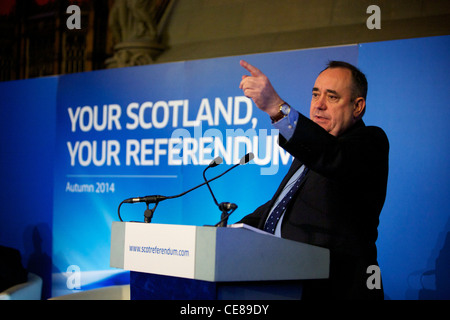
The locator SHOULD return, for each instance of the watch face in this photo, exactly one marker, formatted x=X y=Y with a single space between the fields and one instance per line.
x=285 y=108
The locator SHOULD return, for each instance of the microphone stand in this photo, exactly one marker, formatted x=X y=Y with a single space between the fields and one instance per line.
x=148 y=214
x=226 y=208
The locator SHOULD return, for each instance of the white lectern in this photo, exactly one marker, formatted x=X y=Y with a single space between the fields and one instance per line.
x=191 y=262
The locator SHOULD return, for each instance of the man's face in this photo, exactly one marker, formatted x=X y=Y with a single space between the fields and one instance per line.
x=331 y=105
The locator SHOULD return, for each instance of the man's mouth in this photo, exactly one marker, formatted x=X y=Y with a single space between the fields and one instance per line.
x=320 y=118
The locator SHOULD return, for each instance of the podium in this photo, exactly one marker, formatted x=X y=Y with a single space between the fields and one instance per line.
x=192 y=262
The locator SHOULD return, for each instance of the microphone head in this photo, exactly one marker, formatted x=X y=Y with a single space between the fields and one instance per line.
x=215 y=162
x=247 y=158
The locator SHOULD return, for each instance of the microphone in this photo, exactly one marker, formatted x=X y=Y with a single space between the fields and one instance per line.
x=227 y=208
x=157 y=198
x=215 y=162
x=146 y=199
x=247 y=158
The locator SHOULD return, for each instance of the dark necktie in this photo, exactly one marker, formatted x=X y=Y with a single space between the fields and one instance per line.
x=275 y=216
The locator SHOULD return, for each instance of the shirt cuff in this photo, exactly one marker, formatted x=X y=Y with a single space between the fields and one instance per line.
x=286 y=126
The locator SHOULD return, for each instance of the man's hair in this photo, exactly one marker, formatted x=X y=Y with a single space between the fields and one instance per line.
x=359 y=85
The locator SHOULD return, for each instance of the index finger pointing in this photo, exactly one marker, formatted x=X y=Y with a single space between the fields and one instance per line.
x=253 y=70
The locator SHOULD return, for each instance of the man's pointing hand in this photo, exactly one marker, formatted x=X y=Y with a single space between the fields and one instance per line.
x=258 y=87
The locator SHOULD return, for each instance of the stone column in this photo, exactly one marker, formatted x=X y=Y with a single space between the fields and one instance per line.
x=136 y=27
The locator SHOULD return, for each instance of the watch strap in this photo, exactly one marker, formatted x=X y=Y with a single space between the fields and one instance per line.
x=280 y=115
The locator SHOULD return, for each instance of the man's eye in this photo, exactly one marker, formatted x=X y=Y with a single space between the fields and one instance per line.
x=333 y=98
x=315 y=95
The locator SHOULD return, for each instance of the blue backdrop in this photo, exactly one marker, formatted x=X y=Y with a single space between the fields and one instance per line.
x=408 y=83
x=27 y=148
x=114 y=134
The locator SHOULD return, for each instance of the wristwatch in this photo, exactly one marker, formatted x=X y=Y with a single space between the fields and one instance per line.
x=284 y=112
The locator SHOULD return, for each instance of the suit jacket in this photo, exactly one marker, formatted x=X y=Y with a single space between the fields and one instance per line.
x=340 y=200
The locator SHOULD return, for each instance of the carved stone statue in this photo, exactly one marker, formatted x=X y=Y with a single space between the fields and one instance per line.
x=136 y=27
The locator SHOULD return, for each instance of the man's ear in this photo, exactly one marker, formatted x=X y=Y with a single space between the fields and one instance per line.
x=359 y=106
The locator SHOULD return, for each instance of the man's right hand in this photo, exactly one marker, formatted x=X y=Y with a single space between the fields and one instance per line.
x=258 y=87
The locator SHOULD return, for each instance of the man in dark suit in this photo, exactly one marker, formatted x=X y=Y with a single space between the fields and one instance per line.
x=341 y=168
